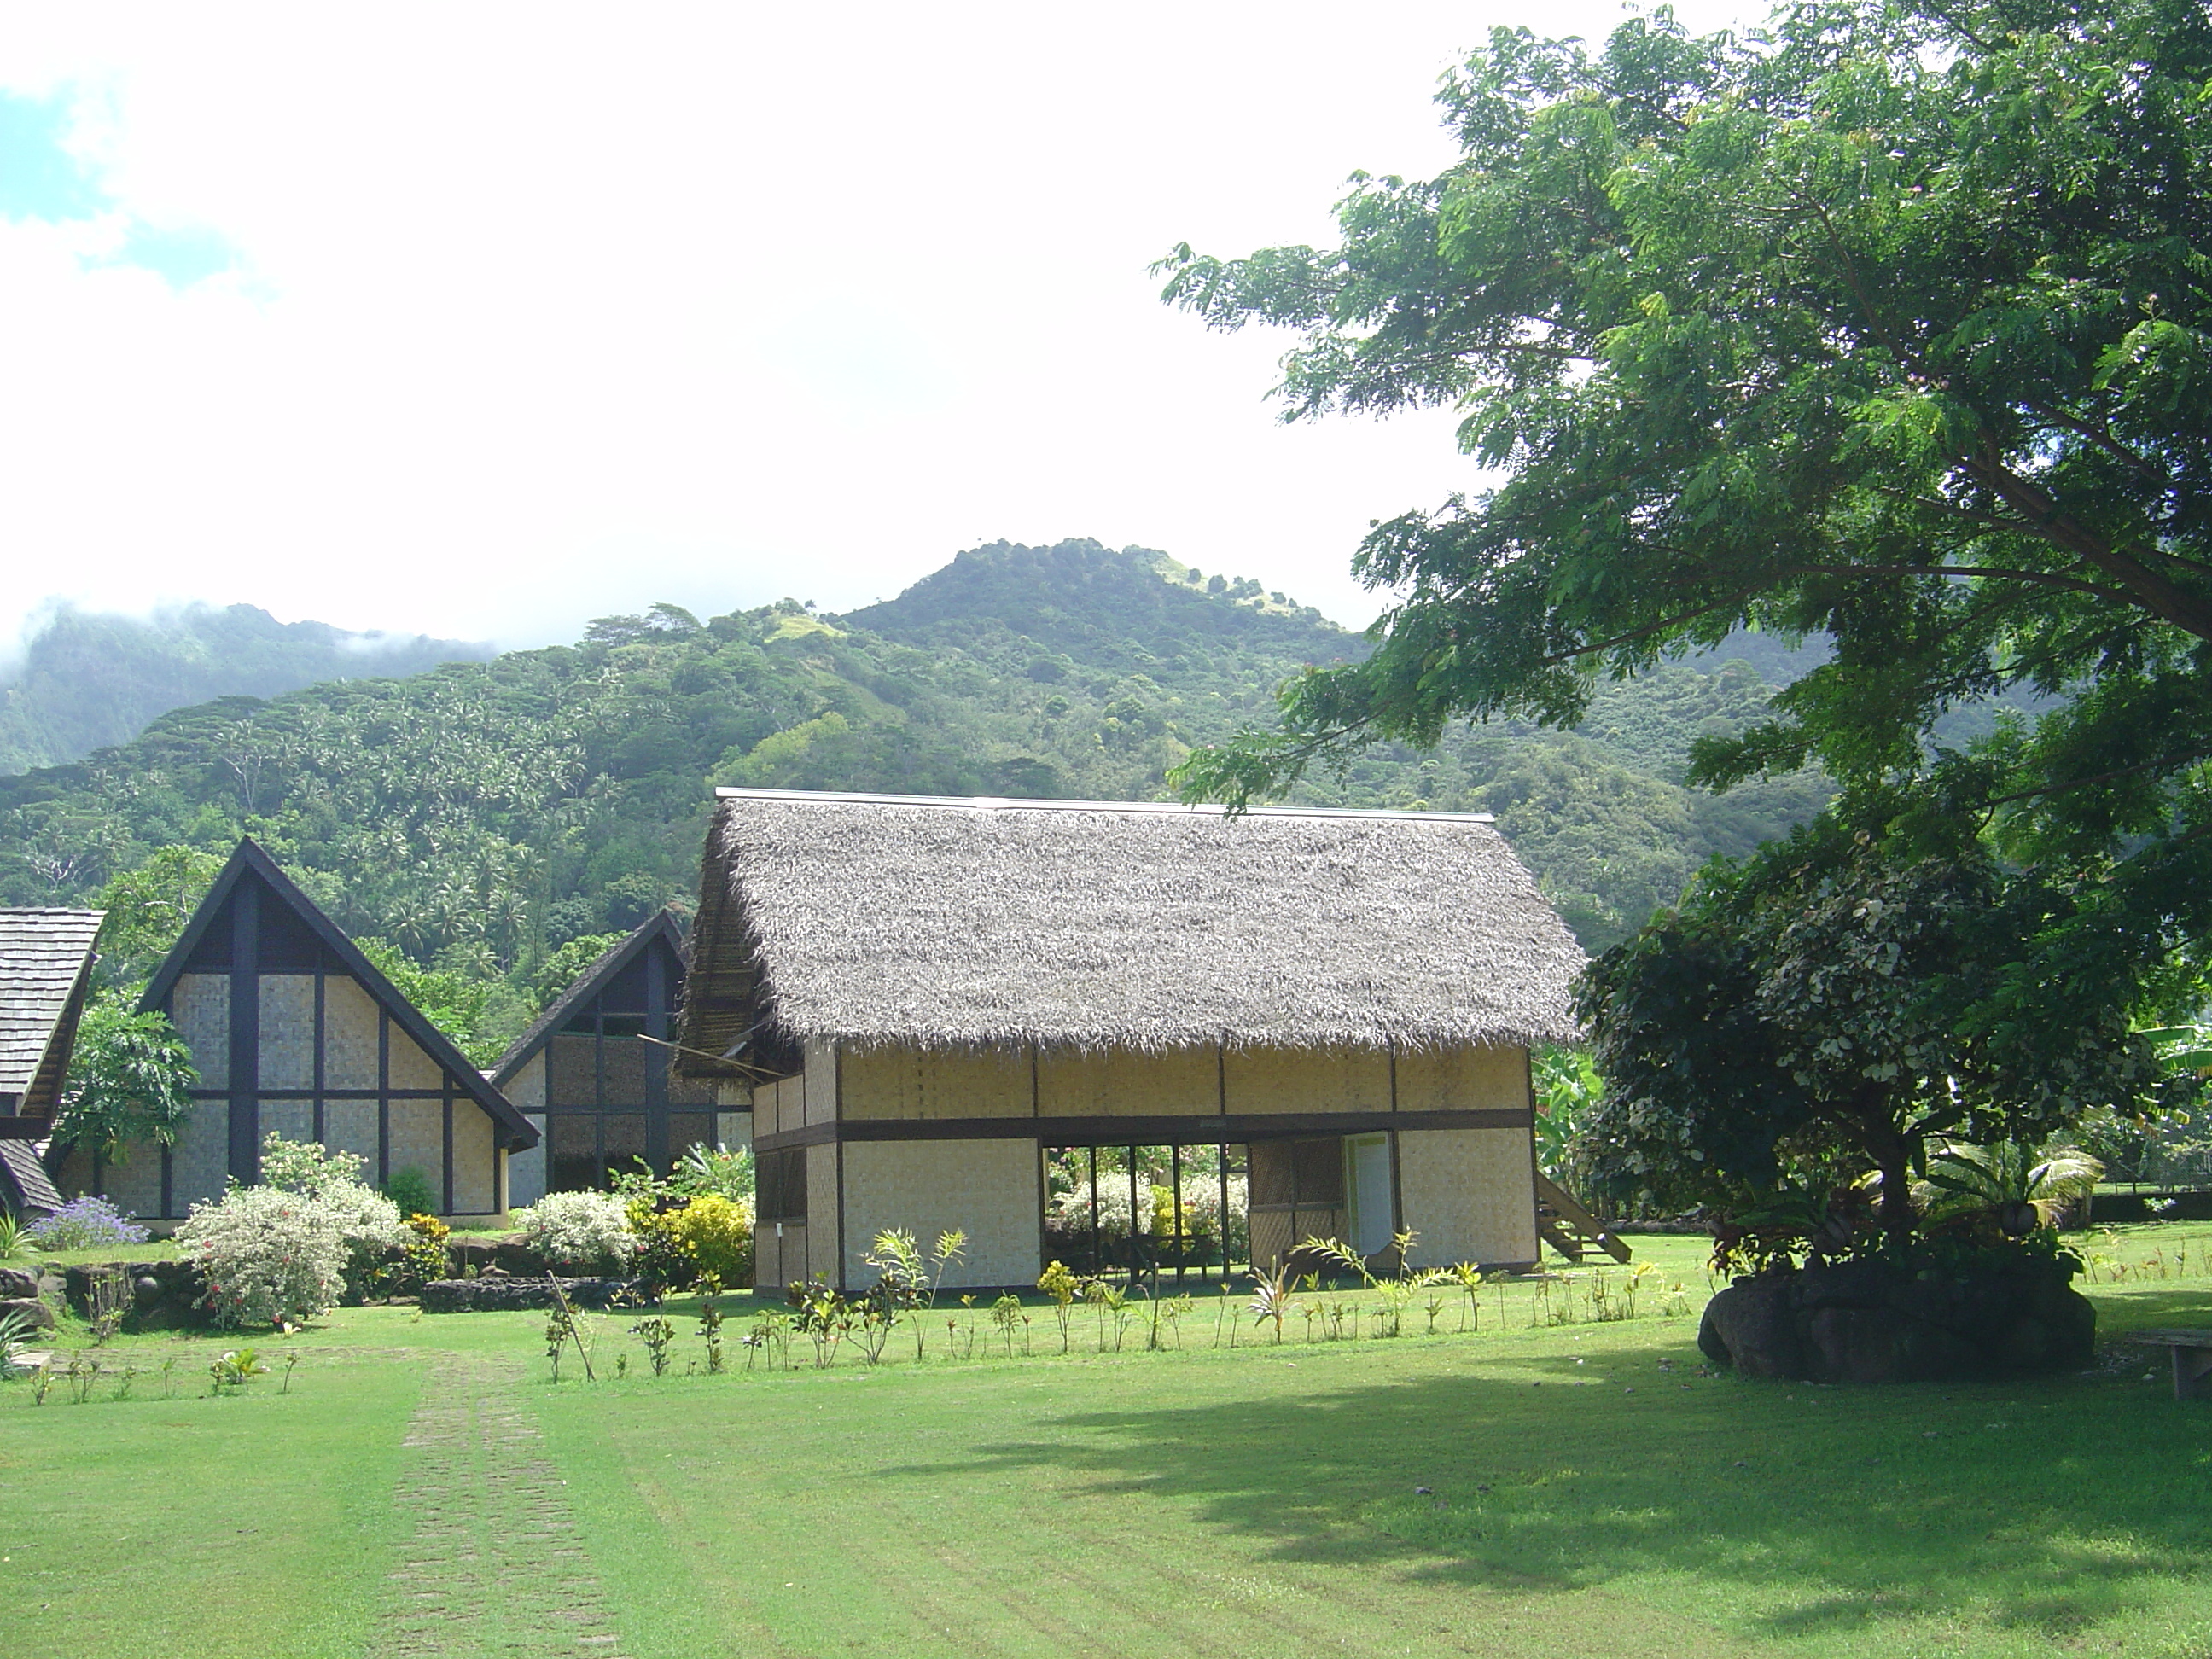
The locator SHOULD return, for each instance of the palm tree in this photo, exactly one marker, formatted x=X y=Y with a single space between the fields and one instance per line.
x=2023 y=1187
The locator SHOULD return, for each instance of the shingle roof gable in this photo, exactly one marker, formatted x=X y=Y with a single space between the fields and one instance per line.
x=45 y=954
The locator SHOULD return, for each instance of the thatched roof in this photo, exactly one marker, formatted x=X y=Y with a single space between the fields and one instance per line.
x=877 y=918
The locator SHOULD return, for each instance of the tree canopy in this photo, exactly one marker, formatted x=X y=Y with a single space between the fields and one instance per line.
x=1840 y=1002
x=1889 y=326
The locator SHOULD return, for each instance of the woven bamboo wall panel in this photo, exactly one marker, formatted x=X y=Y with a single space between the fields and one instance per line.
x=1461 y=1078
x=525 y=1171
x=1469 y=1195
x=817 y=1088
x=986 y=1189
x=288 y=1033
x=294 y=1119
x=528 y=1088
x=418 y=1138
x=200 y=1161
x=475 y=1160
x=915 y=1082
x=822 y=1212
x=201 y=1003
x=1124 y=1083
x=1307 y=1080
x=348 y=1036
x=411 y=1068
x=350 y=1126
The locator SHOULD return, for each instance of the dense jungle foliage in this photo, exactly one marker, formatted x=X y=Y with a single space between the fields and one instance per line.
x=481 y=816
x=87 y=679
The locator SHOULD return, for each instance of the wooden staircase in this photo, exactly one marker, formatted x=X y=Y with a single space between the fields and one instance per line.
x=1568 y=1228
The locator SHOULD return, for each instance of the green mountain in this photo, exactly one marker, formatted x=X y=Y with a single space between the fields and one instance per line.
x=87 y=680
x=480 y=815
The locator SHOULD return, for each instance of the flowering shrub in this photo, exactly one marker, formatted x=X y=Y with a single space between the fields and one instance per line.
x=365 y=1220
x=84 y=1224
x=579 y=1230
x=268 y=1254
x=716 y=1236
x=287 y=1249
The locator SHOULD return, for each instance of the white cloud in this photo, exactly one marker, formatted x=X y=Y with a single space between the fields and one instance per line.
x=540 y=312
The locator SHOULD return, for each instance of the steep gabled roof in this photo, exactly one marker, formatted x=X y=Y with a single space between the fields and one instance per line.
x=24 y=1184
x=46 y=968
x=594 y=979
x=250 y=862
x=908 y=920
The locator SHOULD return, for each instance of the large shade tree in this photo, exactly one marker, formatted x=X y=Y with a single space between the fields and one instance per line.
x=1844 y=1001
x=1890 y=326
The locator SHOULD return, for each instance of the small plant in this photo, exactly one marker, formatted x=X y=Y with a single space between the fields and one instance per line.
x=83 y=1371
x=913 y=1279
x=1063 y=1287
x=1178 y=1309
x=15 y=1343
x=12 y=1237
x=107 y=1298
x=233 y=1370
x=290 y=1360
x=621 y=1366
x=656 y=1333
x=771 y=1336
x=1006 y=1314
x=422 y=1255
x=168 y=1373
x=85 y=1224
x=42 y=1381
x=123 y=1383
x=1432 y=1307
x=821 y=1315
x=710 y=1321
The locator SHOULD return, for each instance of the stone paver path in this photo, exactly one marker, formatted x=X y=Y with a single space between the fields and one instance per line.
x=496 y=1564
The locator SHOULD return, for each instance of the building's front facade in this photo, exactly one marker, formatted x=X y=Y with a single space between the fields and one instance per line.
x=919 y=998
x=293 y=1030
x=592 y=1074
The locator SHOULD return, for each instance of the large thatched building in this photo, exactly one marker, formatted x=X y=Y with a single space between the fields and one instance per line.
x=292 y=1029
x=925 y=994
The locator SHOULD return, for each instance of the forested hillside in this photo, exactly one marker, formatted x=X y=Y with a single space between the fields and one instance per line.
x=87 y=680
x=480 y=815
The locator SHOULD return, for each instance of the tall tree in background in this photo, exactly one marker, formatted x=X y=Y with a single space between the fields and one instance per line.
x=1890 y=326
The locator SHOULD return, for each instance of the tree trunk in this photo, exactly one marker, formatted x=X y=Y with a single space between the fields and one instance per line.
x=1893 y=1155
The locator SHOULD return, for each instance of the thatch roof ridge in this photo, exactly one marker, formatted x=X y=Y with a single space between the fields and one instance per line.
x=945 y=922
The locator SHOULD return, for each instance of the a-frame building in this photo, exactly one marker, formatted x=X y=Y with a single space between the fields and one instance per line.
x=294 y=1029
x=592 y=1074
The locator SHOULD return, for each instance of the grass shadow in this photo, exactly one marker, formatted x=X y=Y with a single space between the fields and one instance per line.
x=2053 y=1505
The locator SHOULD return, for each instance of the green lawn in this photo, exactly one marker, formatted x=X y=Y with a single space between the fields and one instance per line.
x=1588 y=1492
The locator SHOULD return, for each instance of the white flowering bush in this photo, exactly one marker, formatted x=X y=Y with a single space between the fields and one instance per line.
x=283 y=1250
x=579 y=1230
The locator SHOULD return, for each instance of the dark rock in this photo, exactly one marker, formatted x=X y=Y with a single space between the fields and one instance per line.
x=505 y=1294
x=1868 y=1321
x=40 y=1313
x=162 y=1293
x=17 y=1284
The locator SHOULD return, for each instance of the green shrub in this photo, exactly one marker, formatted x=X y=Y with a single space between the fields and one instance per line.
x=716 y=1236
x=410 y=1190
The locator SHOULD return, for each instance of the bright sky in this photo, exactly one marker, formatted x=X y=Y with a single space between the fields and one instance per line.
x=481 y=320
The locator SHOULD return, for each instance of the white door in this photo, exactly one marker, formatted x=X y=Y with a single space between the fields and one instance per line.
x=1367 y=1183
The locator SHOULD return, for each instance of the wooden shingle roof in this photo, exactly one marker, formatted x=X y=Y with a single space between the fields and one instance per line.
x=45 y=965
